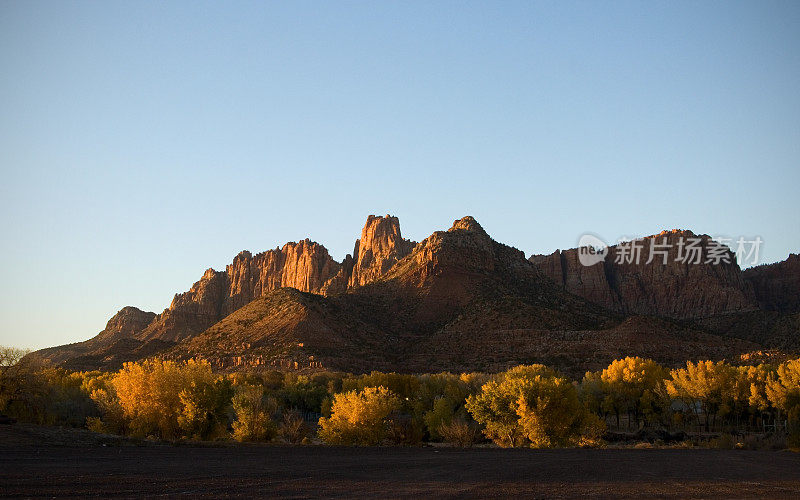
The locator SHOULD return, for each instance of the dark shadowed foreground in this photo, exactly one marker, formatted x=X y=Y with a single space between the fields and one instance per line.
x=315 y=471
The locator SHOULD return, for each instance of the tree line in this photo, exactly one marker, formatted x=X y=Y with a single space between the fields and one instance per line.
x=527 y=405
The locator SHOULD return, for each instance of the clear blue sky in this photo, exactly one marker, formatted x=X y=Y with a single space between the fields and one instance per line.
x=143 y=142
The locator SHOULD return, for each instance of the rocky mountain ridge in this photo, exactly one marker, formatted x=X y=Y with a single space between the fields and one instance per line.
x=395 y=303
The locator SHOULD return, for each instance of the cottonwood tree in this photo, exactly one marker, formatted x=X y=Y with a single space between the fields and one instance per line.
x=254 y=411
x=163 y=398
x=783 y=391
x=359 y=418
x=633 y=386
x=533 y=405
x=706 y=388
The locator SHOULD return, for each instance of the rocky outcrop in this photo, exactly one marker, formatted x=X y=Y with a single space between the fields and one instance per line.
x=777 y=286
x=669 y=278
x=305 y=266
x=123 y=326
x=381 y=245
x=464 y=246
x=127 y=322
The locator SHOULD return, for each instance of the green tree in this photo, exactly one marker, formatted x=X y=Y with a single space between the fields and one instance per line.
x=205 y=407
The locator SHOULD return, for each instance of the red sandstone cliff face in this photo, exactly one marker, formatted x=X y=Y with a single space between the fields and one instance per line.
x=305 y=265
x=777 y=286
x=381 y=245
x=465 y=245
x=675 y=289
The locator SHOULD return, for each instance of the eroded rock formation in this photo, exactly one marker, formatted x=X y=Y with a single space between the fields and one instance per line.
x=381 y=245
x=305 y=266
x=676 y=282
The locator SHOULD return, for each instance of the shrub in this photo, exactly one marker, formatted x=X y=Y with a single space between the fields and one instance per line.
x=403 y=430
x=459 y=432
x=293 y=427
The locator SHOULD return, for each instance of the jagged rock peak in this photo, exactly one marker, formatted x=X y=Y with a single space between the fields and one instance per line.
x=210 y=273
x=467 y=223
x=381 y=245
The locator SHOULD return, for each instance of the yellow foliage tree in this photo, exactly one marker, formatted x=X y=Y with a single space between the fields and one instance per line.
x=254 y=412
x=635 y=386
x=359 y=418
x=533 y=404
x=707 y=388
x=150 y=393
x=783 y=389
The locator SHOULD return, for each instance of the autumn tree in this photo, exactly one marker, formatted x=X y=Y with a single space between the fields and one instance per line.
x=706 y=388
x=783 y=391
x=633 y=386
x=360 y=418
x=15 y=377
x=254 y=411
x=164 y=397
x=534 y=405
x=33 y=391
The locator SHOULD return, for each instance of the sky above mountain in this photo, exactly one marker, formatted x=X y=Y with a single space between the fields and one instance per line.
x=143 y=142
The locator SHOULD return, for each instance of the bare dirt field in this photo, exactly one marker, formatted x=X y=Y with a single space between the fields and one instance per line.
x=29 y=470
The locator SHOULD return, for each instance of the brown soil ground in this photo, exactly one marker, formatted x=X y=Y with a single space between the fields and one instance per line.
x=84 y=468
